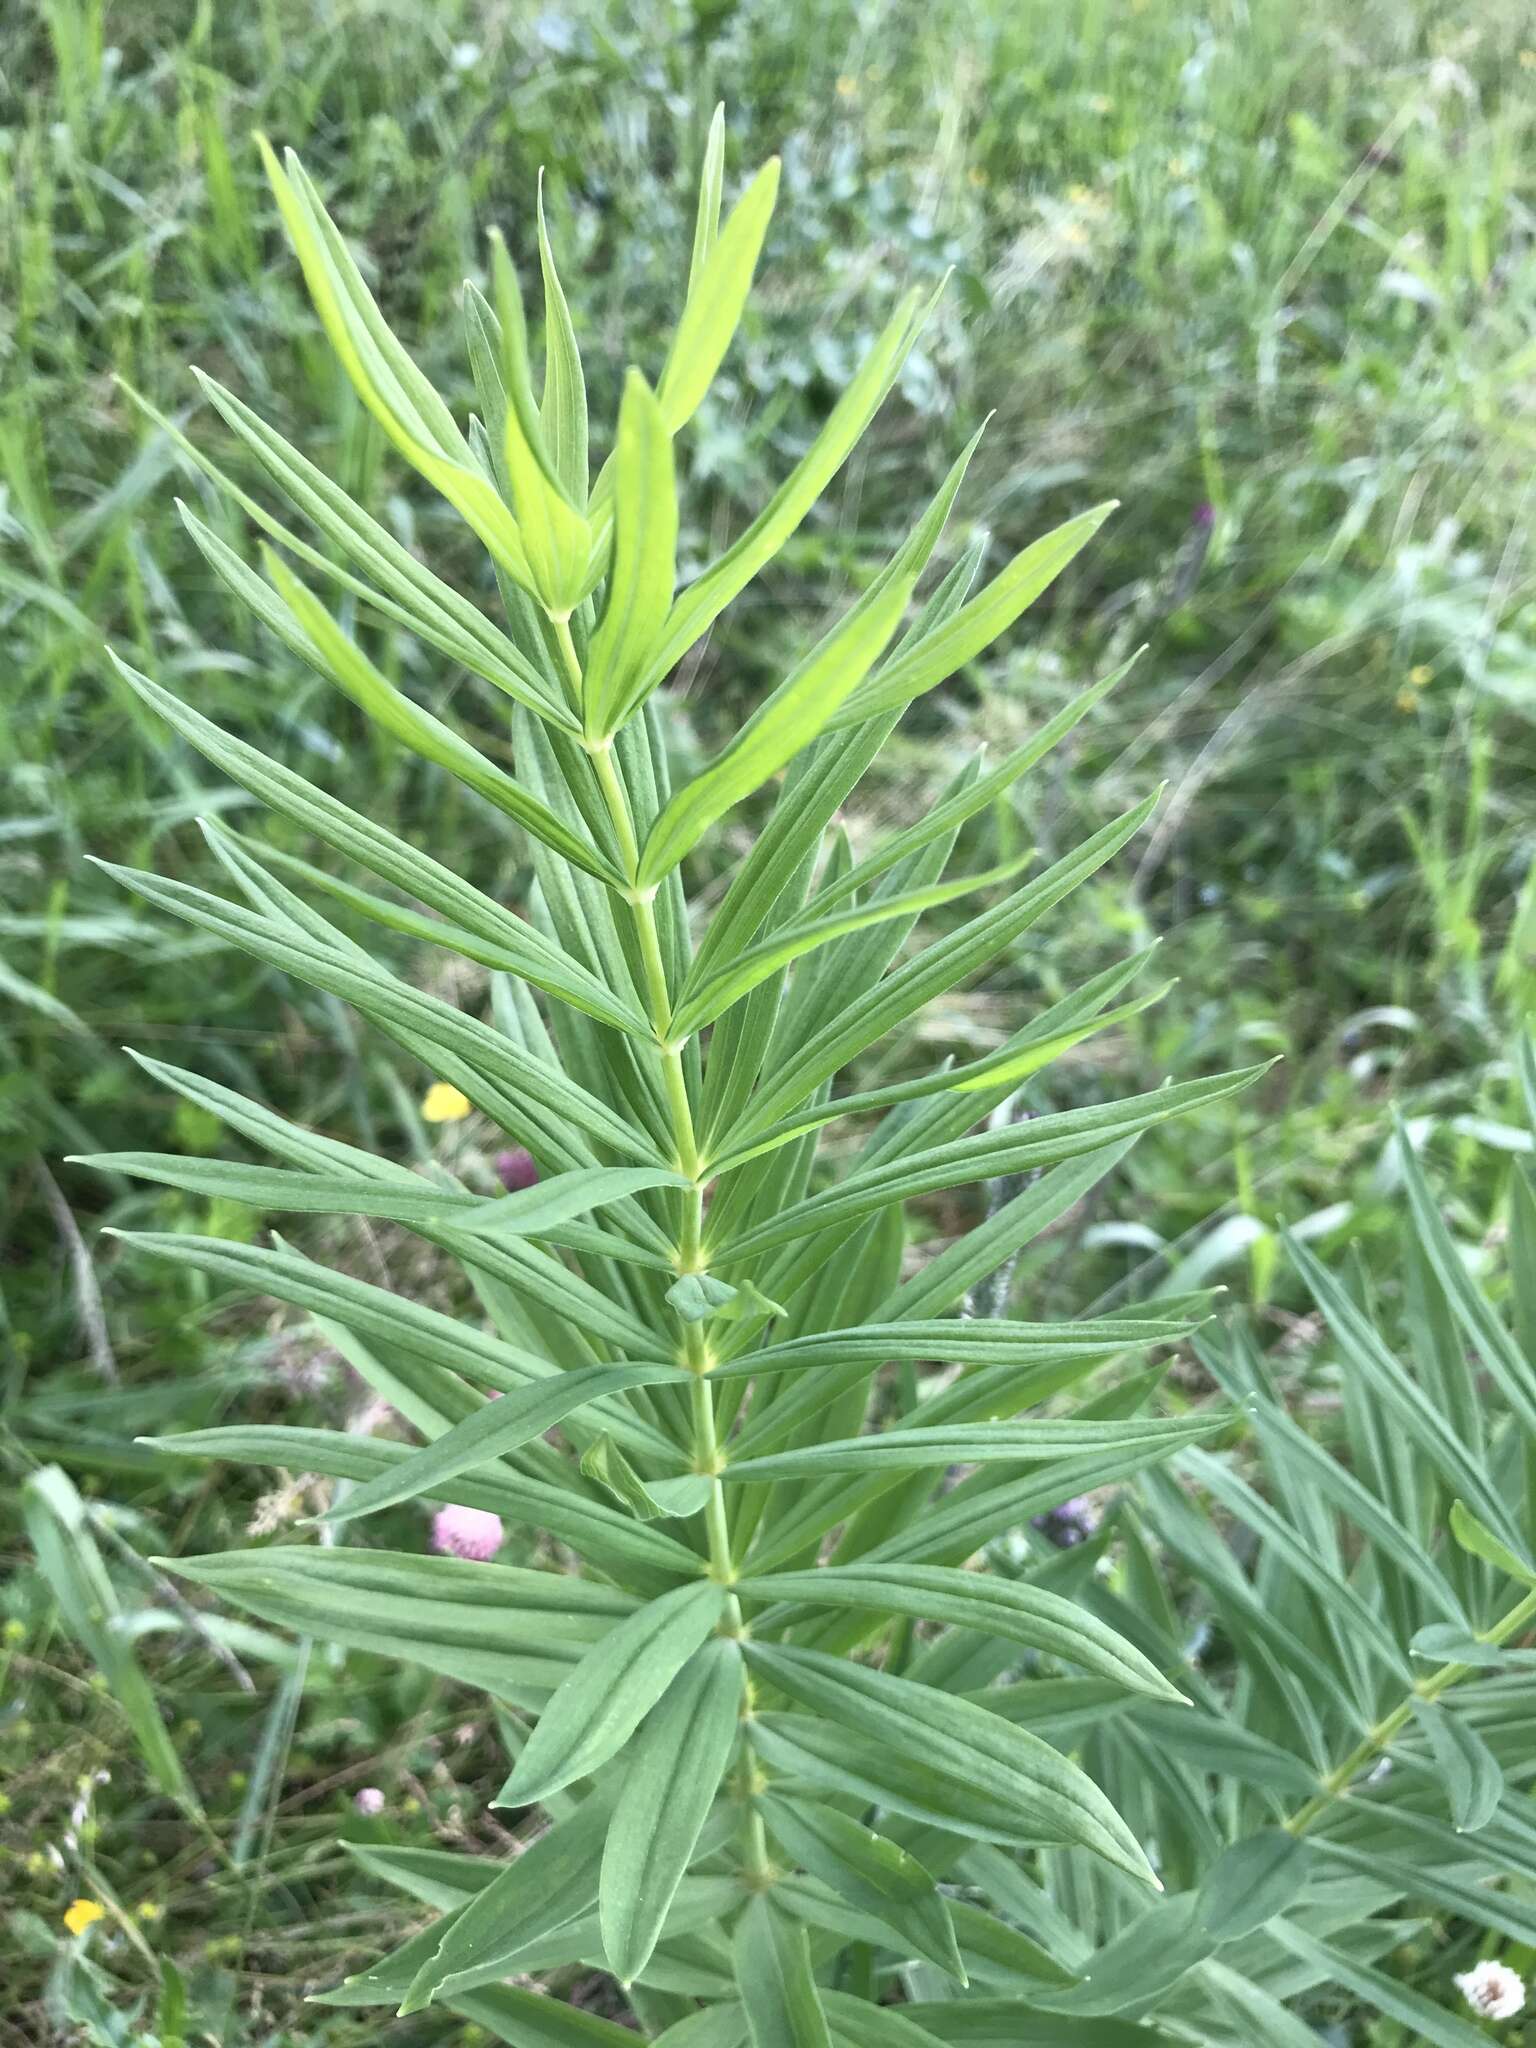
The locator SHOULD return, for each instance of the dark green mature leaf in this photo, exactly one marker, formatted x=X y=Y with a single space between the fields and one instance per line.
x=607 y=1696
x=671 y=1776
x=499 y=1426
x=933 y=972
x=973 y=1600
x=495 y=1626
x=515 y=943
x=1466 y=1766
x=1016 y=1148
x=1251 y=1882
x=1015 y=2023
x=778 y=1991
x=1031 y=1442
x=945 y=1760
x=551 y=1883
x=869 y=1872
x=631 y=1552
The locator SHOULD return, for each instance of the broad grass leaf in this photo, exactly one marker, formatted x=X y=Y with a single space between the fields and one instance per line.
x=671 y=1775
x=608 y=1695
x=57 y=1523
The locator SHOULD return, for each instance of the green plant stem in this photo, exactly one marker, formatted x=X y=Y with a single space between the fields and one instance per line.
x=1377 y=1738
x=690 y=1254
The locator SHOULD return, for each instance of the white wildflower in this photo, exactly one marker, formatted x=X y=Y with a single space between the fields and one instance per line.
x=1492 y=1989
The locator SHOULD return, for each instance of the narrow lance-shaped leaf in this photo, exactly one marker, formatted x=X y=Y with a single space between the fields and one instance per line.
x=607 y=1696
x=391 y=387
x=350 y=669
x=493 y=1430
x=778 y=1989
x=716 y=297
x=1000 y=1607
x=644 y=569
x=670 y=1780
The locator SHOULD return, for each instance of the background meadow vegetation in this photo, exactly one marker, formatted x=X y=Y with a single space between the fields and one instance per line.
x=1266 y=274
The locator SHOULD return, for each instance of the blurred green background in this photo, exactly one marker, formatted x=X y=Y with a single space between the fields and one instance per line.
x=1264 y=273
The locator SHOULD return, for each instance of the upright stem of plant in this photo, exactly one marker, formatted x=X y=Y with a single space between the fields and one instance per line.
x=690 y=1241
x=1377 y=1738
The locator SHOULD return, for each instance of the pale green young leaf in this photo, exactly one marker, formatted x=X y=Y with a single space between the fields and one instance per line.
x=394 y=583
x=608 y=1695
x=976 y=625
x=711 y=184
x=702 y=1001
x=697 y=607
x=717 y=295
x=1476 y=1537
x=606 y=1465
x=344 y=662
x=671 y=1776
x=383 y=377
x=563 y=409
x=644 y=568
x=777 y=730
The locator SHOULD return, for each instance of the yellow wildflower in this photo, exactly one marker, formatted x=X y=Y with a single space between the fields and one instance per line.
x=847 y=87
x=1080 y=195
x=148 y=1911
x=1528 y=60
x=82 y=1914
x=445 y=1104
x=1177 y=168
x=1407 y=700
x=1420 y=674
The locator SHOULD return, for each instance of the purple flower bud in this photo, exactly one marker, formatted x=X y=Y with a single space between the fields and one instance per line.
x=466 y=1532
x=1203 y=517
x=369 y=1801
x=1070 y=1524
x=516 y=1170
